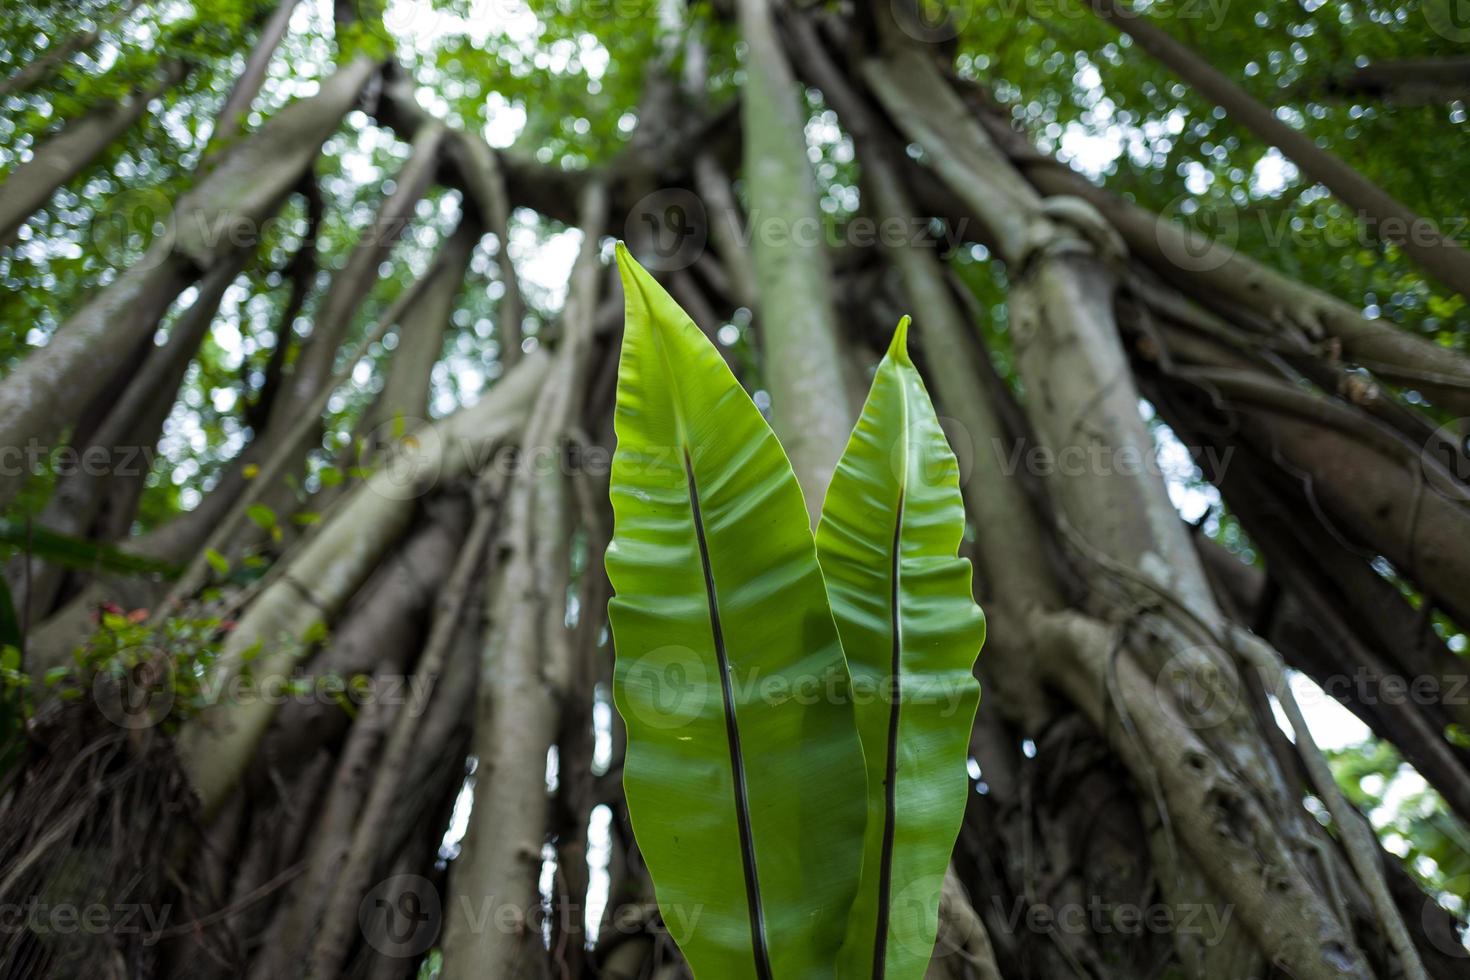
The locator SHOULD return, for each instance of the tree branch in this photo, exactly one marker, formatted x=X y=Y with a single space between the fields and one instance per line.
x=1393 y=221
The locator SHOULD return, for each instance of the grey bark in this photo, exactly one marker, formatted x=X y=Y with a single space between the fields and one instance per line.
x=125 y=438
x=216 y=746
x=384 y=624
x=285 y=451
x=339 y=918
x=1060 y=258
x=421 y=333
x=351 y=284
x=233 y=113
x=1215 y=273
x=525 y=666
x=801 y=358
x=483 y=172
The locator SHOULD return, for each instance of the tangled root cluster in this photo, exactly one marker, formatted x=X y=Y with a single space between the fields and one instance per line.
x=92 y=817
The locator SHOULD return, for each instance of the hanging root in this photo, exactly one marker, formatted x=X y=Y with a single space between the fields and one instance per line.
x=89 y=829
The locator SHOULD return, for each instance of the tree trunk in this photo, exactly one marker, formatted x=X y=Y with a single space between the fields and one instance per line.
x=788 y=241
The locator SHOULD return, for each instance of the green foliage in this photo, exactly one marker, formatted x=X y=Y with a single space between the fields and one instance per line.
x=58 y=259
x=747 y=725
x=1080 y=88
x=1411 y=819
x=144 y=671
x=139 y=672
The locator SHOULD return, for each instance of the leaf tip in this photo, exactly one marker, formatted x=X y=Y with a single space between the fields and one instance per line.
x=634 y=276
x=898 y=349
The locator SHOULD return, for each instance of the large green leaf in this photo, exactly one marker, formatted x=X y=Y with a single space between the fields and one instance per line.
x=80 y=553
x=744 y=774
x=890 y=528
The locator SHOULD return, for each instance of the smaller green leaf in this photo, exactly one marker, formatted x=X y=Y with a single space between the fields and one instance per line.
x=217 y=561
x=315 y=633
x=888 y=539
x=262 y=516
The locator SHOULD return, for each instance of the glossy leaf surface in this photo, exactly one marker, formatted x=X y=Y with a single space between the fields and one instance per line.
x=744 y=773
x=890 y=528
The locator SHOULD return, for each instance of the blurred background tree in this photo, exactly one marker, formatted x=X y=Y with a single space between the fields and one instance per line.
x=304 y=649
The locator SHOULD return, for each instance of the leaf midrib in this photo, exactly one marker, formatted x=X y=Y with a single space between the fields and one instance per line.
x=732 y=737
x=759 y=945
x=895 y=668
